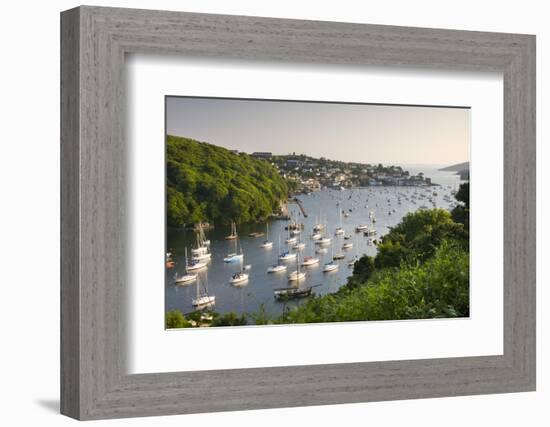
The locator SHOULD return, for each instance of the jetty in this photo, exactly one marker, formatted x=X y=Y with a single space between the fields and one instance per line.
x=300 y=205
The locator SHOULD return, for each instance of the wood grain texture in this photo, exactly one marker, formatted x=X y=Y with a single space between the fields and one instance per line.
x=70 y=259
x=94 y=381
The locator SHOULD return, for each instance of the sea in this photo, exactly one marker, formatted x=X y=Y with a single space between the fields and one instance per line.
x=388 y=205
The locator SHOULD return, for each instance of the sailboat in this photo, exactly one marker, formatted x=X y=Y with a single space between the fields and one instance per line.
x=202 y=252
x=240 y=277
x=277 y=268
x=184 y=279
x=202 y=243
x=299 y=245
x=290 y=239
x=233 y=234
x=319 y=226
x=234 y=256
x=309 y=261
x=325 y=240
x=339 y=230
x=203 y=299
x=195 y=264
x=204 y=240
x=297 y=274
x=331 y=265
x=267 y=244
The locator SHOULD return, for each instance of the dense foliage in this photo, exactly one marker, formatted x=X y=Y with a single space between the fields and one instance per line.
x=461 y=213
x=176 y=319
x=417 y=237
x=206 y=183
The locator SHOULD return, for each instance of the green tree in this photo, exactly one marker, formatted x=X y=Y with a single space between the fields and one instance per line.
x=461 y=213
x=176 y=319
x=417 y=236
x=206 y=183
x=230 y=319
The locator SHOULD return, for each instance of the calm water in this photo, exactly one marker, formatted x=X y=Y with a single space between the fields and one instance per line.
x=259 y=289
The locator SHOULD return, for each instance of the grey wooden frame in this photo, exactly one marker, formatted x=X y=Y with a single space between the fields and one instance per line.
x=94 y=41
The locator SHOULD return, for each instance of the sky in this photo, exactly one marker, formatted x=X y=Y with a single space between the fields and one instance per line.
x=364 y=133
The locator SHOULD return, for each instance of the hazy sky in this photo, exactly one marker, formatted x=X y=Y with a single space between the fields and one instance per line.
x=360 y=133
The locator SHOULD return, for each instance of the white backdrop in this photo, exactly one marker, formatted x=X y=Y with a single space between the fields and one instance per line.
x=29 y=218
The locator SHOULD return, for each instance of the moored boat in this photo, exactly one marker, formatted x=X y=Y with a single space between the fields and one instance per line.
x=277 y=268
x=186 y=278
x=239 y=278
x=309 y=260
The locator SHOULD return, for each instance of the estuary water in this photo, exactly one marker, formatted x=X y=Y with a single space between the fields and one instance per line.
x=388 y=205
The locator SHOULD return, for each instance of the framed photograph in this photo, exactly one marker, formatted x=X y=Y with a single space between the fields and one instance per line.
x=278 y=213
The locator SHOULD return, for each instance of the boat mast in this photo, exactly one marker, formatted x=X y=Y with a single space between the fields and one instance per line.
x=198 y=293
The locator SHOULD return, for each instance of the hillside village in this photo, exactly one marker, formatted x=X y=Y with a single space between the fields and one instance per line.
x=312 y=174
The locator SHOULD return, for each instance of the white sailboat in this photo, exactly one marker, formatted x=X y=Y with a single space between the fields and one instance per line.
x=339 y=230
x=309 y=261
x=233 y=234
x=331 y=265
x=239 y=278
x=267 y=244
x=235 y=256
x=184 y=279
x=287 y=256
x=194 y=265
x=324 y=240
x=203 y=299
x=202 y=252
x=299 y=246
x=277 y=268
x=290 y=240
x=296 y=275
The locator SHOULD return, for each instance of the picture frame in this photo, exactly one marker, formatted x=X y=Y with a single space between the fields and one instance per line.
x=94 y=381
